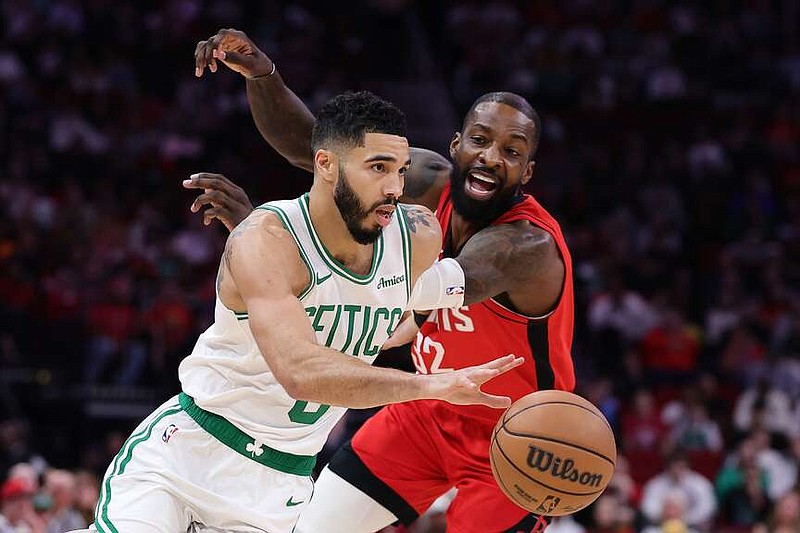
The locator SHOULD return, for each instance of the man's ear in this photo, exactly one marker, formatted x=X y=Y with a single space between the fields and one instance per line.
x=454 y=144
x=326 y=164
x=528 y=172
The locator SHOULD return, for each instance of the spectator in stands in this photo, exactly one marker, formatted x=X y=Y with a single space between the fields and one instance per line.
x=670 y=350
x=673 y=514
x=610 y=514
x=764 y=407
x=785 y=516
x=742 y=488
x=60 y=486
x=16 y=507
x=642 y=428
x=778 y=466
x=696 y=432
x=697 y=504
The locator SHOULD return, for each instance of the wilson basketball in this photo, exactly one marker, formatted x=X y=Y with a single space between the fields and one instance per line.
x=553 y=452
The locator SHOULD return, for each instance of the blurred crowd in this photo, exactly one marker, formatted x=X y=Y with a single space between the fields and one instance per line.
x=670 y=155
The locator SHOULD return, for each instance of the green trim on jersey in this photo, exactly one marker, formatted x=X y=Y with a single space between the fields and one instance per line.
x=288 y=225
x=242 y=443
x=333 y=264
x=406 y=247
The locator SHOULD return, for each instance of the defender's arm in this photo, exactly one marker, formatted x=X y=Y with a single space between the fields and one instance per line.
x=261 y=258
x=286 y=123
x=519 y=259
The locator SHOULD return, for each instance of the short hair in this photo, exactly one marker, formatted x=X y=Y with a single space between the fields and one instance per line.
x=345 y=119
x=517 y=102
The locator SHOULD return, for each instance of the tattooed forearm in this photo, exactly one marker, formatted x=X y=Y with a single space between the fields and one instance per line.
x=503 y=257
x=418 y=216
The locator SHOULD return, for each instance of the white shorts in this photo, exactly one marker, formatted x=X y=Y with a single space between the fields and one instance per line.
x=172 y=476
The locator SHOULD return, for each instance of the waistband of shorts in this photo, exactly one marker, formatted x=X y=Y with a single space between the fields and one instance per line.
x=239 y=441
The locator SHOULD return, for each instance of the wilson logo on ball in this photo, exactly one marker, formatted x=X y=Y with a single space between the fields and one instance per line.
x=545 y=461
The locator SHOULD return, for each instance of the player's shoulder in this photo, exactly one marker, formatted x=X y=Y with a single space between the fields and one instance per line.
x=262 y=227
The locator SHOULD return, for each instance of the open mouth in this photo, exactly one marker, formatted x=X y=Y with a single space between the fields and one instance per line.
x=480 y=185
x=384 y=214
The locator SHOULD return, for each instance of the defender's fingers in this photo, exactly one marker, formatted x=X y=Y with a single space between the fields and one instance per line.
x=199 y=58
x=210 y=197
x=205 y=180
x=211 y=213
x=208 y=52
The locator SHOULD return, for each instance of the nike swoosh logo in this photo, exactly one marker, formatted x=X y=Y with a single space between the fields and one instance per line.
x=323 y=278
x=290 y=503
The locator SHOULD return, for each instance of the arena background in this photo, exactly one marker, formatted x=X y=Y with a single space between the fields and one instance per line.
x=669 y=155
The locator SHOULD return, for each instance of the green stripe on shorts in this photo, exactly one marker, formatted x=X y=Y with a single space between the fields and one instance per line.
x=119 y=468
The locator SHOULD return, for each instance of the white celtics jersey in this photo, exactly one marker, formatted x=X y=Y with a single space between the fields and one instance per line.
x=351 y=313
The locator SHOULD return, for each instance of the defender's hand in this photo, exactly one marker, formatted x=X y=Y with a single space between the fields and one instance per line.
x=235 y=50
x=463 y=387
x=229 y=203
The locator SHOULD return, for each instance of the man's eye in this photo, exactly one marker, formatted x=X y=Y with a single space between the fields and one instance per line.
x=513 y=152
x=378 y=167
x=478 y=140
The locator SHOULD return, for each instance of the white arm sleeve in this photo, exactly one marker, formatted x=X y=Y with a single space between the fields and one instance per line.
x=441 y=286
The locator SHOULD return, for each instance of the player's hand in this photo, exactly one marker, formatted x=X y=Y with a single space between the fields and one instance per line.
x=235 y=50
x=463 y=387
x=229 y=203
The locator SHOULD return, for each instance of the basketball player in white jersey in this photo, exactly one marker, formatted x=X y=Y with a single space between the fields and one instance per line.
x=307 y=292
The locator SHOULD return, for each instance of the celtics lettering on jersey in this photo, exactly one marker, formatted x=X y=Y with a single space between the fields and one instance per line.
x=352 y=328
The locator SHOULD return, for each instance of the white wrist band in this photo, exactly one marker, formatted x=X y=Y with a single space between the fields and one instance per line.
x=441 y=286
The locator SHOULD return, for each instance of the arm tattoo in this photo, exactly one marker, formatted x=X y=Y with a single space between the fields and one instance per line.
x=499 y=258
x=416 y=216
x=227 y=254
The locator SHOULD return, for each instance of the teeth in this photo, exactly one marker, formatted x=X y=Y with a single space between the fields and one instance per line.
x=482 y=178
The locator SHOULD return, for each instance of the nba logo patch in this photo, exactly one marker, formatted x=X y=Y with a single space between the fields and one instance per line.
x=455 y=289
x=548 y=505
x=169 y=432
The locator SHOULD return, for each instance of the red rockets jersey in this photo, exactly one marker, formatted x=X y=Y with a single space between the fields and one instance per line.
x=472 y=335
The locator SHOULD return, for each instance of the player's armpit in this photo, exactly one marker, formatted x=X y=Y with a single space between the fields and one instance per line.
x=516 y=258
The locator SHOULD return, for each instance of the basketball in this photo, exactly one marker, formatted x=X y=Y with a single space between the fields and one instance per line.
x=553 y=452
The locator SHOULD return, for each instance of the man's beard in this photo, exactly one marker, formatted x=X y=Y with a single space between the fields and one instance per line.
x=353 y=211
x=480 y=212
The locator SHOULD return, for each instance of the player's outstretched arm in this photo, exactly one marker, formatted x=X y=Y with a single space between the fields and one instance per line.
x=281 y=117
x=265 y=272
x=519 y=259
x=286 y=123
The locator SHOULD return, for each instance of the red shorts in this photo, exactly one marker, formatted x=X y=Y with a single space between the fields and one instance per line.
x=421 y=449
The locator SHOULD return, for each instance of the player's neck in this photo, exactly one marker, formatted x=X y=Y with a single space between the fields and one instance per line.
x=462 y=229
x=332 y=231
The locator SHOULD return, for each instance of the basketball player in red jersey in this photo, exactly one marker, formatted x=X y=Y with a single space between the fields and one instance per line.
x=518 y=299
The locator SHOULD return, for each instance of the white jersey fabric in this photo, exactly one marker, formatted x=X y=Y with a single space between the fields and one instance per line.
x=354 y=314
x=233 y=451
